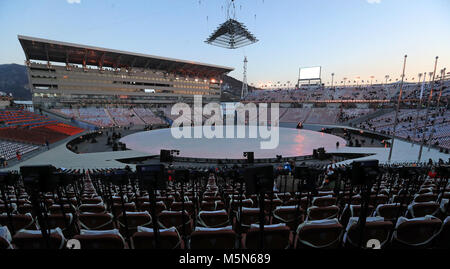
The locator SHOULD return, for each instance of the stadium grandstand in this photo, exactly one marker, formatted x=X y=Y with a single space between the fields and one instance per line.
x=63 y=75
x=22 y=132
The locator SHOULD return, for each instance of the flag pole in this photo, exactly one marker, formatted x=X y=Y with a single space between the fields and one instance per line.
x=398 y=108
x=442 y=86
x=428 y=110
x=419 y=105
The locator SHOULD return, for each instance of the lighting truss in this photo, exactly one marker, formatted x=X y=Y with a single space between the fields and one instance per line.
x=231 y=35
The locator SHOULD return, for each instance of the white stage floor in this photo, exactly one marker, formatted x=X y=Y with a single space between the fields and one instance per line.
x=291 y=143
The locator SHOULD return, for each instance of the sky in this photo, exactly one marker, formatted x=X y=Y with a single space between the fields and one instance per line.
x=351 y=38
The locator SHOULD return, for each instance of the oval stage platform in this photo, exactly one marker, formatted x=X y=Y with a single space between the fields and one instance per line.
x=292 y=143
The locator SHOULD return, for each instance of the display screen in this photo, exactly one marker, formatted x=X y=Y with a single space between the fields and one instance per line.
x=310 y=73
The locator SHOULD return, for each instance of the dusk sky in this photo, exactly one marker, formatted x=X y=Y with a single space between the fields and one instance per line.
x=352 y=38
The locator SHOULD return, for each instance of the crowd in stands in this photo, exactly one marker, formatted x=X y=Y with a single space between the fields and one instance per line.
x=363 y=92
x=350 y=114
x=436 y=130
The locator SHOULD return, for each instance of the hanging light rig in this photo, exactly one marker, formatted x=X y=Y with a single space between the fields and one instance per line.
x=231 y=34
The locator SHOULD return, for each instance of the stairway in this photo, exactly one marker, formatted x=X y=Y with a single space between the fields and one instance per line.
x=109 y=116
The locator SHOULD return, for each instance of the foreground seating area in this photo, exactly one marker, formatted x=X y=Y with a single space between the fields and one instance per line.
x=218 y=215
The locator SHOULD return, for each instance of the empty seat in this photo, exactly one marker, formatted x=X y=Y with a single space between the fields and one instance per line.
x=92 y=200
x=284 y=196
x=428 y=197
x=379 y=199
x=105 y=239
x=277 y=236
x=213 y=219
x=56 y=209
x=188 y=206
x=353 y=211
x=270 y=205
x=96 y=221
x=5 y=238
x=25 y=208
x=167 y=200
x=443 y=239
x=169 y=219
x=11 y=207
x=33 y=239
x=19 y=221
x=212 y=205
x=417 y=210
x=323 y=201
x=146 y=206
x=58 y=220
x=320 y=213
x=375 y=228
x=169 y=238
x=322 y=234
x=415 y=233
x=211 y=198
x=134 y=219
x=235 y=204
x=213 y=238
x=92 y=208
x=292 y=216
x=248 y=217
x=388 y=211
x=117 y=208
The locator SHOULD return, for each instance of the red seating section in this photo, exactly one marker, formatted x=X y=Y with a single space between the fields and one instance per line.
x=27 y=127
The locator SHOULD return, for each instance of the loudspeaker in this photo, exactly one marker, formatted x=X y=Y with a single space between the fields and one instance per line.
x=250 y=157
x=165 y=156
x=321 y=154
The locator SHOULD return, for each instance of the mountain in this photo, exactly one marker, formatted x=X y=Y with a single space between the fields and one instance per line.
x=14 y=79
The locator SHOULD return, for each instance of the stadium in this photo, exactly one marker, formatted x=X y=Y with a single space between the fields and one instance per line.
x=92 y=162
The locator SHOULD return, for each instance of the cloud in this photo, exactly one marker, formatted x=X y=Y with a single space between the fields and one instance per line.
x=74 y=1
x=373 y=1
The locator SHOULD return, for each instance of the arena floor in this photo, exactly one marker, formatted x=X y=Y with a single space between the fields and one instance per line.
x=60 y=156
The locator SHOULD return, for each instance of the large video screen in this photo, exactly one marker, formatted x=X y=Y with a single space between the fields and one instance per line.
x=310 y=73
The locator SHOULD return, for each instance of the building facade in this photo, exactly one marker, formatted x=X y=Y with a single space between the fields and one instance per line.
x=72 y=75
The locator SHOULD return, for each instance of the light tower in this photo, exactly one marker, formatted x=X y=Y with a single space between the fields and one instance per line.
x=244 y=80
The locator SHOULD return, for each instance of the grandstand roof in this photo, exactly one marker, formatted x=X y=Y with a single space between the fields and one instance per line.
x=57 y=51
